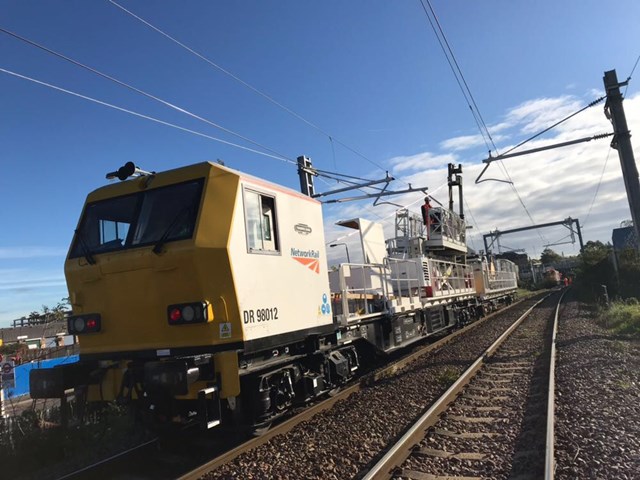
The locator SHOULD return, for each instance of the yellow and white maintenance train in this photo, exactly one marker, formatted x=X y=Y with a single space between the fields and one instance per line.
x=203 y=293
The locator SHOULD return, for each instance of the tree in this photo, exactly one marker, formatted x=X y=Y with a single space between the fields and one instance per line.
x=549 y=257
x=596 y=270
x=595 y=252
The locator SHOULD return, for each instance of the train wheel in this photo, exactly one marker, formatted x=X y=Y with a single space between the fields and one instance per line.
x=258 y=431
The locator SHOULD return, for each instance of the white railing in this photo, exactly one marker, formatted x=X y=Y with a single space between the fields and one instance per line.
x=363 y=290
x=406 y=278
x=501 y=280
x=366 y=290
x=445 y=223
x=449 y=278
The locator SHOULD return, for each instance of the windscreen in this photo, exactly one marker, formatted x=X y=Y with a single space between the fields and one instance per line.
x=146 y=218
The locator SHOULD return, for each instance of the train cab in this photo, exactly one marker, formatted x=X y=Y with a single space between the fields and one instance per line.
x=182 y=281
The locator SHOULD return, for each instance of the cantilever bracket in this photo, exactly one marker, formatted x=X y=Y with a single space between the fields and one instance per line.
x=491 y=159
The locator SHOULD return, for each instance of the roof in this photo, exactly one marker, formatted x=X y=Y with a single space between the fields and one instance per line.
x=10 y=335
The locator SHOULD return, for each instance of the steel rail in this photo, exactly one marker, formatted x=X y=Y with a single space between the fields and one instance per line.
x=367 y=379
x=402 y=449
x=549 y=463
x=108 y=459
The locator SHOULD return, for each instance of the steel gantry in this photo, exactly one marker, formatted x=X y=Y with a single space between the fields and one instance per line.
x=567 y=222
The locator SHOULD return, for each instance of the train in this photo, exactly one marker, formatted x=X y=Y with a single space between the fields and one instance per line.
x=202 y=296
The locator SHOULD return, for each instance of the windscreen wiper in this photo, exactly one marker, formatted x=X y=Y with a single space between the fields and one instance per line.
x=85 y=248
x=157 y=248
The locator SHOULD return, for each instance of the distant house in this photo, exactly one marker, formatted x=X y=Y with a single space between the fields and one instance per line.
x=39 y=341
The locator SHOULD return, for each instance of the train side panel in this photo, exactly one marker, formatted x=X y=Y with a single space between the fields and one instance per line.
x=277 y=251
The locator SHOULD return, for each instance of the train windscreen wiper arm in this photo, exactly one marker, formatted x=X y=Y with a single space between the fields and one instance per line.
x=85 y=248
x=157 y=248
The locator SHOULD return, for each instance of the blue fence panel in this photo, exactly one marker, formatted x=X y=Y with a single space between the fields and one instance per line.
x=22 y=373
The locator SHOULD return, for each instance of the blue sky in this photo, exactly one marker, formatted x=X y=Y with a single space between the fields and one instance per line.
x=369 y=73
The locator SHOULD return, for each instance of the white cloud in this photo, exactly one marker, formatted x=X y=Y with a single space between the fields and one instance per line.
x=499 y=127
x=463 y=142
x=535 y=115
x=420 y=161
x=553 y=184
x=466 y=142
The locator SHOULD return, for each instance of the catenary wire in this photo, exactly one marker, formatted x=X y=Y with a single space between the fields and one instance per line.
x=451 y=62
x=595 y=102
x=246 y=84
x=558 y=241
x=475 y=108
x=146 y=117
x=468 y=208
x=459 y=76
x=631 y=75
x=155 y=98
x=392 y=214
x=146 y=94
x=595 y=195
x=137 y=90
x=164 y=102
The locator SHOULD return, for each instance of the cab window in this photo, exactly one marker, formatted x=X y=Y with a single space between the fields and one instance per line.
x=163 y=215
x=260 y=222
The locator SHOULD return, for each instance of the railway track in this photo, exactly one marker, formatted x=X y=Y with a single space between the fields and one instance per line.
x=373 y=378
x=156 y=466
x=495 y=421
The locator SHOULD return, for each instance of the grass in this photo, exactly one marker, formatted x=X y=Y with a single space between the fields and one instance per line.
x=524 y=293
x=447 y=376
x=623 y=318
x=34 y=446
x=624 y=384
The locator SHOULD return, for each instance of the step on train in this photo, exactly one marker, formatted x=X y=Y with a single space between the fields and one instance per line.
x=202 y=295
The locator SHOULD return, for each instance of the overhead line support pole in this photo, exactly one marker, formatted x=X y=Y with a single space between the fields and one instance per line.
x=306 y=177
x=614 y=110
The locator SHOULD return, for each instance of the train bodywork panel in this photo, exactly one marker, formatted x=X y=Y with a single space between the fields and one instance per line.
x=283 y=294
x=132 y=289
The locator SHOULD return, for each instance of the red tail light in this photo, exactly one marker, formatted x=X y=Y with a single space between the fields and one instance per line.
x=188 y=313
x=81 y=324
x=175 y=315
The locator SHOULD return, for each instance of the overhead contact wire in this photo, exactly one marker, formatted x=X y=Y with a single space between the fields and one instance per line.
x=245 y=83
x=460 y=79
x=449 y=53
x=140 y=115
x=631 y=75
x=595 y=195
x=137 y=90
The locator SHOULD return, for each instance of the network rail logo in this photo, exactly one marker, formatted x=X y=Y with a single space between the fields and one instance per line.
x=308 y=258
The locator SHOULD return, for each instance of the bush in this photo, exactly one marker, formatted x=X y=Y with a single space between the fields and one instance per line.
x=623 y=318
